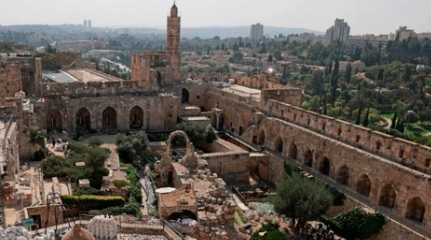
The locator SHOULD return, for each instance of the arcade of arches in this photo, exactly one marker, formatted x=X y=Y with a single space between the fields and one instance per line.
x=375 y=185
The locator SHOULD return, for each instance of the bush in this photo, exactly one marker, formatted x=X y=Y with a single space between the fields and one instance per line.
x=120 y=183
x=94 y=141
x=357 y=224
x=93 y=202
x=55 y=166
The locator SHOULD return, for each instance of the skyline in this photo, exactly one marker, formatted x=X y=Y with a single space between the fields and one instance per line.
x=363 y=16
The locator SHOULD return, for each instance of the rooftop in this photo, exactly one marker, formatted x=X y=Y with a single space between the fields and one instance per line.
x=80 y=75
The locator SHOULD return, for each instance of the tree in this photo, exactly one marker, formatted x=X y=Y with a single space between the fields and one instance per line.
x=199 y=135
x=348 y=73
x=269 y=232
x=301 y=199
x=133 y=149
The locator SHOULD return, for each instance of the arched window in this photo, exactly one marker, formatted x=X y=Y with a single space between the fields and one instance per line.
x=293 y=151
x=261 y=139
x=136 y=118
x=109 y=119
x=55 y=121
x=343 y=175
x=363 y=186
x=415 y=210
x=185 y=96
x=279 y=145
x=325 y=167
x=83 y=120
x=388 y=196
x=308 y=158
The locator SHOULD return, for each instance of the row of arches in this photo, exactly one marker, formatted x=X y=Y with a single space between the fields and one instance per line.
x=109 y=119
x=415 y=209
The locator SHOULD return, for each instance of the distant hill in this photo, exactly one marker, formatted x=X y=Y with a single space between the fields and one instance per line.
x=240 y=31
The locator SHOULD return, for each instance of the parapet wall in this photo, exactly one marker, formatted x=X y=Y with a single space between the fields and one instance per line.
x=407 y=153
x=292 y=96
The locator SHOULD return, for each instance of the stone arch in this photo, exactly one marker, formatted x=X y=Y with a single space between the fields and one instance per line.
x=136 y=118
x=159 y=78
x=325 y=167
x=279 y=145
x=363 y=186
x=173 y=136
x=415 y=210
x=262 y=138
x=308 y=158
x=293 y=151
x=185 y=96
x=109 y=119
x=388 y=196
x=83 y=119
x=54 y=121
x=343 y=175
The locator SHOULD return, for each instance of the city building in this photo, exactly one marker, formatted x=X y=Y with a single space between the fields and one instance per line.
x=339 y=32
x=256 y=32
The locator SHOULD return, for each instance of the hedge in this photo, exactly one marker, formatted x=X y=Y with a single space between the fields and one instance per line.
x=357 y=224
x=93 y=202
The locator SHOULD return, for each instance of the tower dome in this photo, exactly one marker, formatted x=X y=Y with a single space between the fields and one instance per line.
x=78 y=233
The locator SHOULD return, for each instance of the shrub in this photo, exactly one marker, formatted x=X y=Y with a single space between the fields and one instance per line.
x=54 y=166
x=120 y=183
x=357 y=224
x=90 y=202
x=94 y=141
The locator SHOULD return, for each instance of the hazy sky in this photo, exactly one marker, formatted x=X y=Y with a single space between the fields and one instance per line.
x=364 y=16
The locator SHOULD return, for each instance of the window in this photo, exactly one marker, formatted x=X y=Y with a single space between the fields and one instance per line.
x=427 y=162
x=358 y=138
x=378 y=145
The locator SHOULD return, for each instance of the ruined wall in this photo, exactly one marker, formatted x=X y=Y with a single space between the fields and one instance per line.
x=261 y=81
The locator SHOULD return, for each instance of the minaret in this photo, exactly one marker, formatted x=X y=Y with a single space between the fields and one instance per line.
x=173 y=44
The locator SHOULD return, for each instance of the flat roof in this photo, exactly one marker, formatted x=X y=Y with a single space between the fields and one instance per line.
x=80 y=75
x=243 y=91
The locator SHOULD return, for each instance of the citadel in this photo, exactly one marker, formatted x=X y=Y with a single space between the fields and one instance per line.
x=260 y=126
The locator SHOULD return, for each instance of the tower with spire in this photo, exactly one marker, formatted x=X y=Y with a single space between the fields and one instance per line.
x=173 y=44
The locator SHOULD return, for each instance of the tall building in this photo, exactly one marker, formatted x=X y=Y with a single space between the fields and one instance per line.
x=87 y=23
x=173 y=43
x=339 y=32
x=404 y=33
x=256 y=32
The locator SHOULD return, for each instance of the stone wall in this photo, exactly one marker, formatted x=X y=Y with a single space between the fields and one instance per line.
x=10 y=81
x=155 y=113
x=410 y=154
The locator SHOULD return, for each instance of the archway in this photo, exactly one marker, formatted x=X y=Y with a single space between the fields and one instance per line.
x=262 y=138
x=55 y=122
x=179 y=145
x=136 y=118
x=185 y=214
x=388 y=196
x=415 y=210
x=109 y=119
x=159 y=78
x=185 y=95
x=343 y=175
x=363 y=186
x=308 y=158
x=293 y=151
x=83 y=120
x=325 y=167
x=279 y=145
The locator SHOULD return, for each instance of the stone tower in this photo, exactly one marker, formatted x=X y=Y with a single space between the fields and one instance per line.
x=173 y=44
